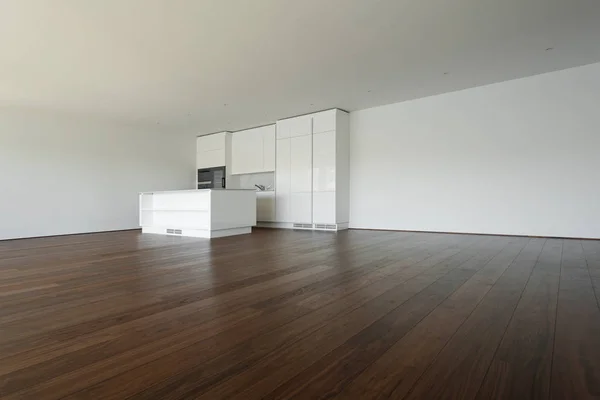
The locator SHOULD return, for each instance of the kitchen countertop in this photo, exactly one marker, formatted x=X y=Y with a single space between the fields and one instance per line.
x=198 y=190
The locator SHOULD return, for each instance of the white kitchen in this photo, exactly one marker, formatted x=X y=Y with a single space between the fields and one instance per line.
x=292 y=174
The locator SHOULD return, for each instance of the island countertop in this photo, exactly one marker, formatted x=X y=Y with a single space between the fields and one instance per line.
x=197 y=190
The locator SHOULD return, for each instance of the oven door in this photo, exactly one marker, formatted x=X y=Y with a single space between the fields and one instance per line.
x=211 y=178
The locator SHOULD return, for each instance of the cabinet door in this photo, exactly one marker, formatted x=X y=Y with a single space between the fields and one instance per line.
x=283 y=129
x=324 y=162
x=301 y=126
x=269 y=148
x=282 y=181
x=301 y=164
x=247 y=152
x=324 y=208
x=210 y=159
x=302 y=208
x=296 y=126
x=210 y=142
x=265 y=206
x=324 y=121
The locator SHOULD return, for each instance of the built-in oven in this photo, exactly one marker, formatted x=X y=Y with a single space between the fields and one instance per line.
x=211 y=178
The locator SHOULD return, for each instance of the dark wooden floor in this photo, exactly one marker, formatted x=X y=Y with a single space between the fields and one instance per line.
x=284 y=314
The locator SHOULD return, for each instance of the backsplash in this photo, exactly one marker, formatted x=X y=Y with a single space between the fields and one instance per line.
x=249 y=180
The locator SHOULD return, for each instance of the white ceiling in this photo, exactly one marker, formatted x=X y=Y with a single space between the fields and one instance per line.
x=208 y=65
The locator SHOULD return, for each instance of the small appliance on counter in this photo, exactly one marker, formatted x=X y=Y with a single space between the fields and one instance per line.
x=211 y=178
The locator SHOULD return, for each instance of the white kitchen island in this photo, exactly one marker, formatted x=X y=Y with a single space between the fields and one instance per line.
x=205 y=213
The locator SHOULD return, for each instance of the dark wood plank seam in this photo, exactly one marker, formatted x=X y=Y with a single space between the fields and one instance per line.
x=443 y=300
x=467 y=317
x=556 y=317
x=511 y=318
x=590 y=275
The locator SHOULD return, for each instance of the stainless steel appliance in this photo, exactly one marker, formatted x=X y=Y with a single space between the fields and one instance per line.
x=211 y=178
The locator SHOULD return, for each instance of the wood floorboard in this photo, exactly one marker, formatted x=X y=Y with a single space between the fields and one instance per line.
x=521 y=367
x=278 y=328
x=459 y=368
x=289 y=314
x=394 y=374
x=351 y=323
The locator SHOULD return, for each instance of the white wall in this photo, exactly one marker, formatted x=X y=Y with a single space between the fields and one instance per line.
x=62 y=174
x=518 y=157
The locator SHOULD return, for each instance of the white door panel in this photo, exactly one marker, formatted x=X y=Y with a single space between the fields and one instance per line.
x=324 y=121
x=301 y=164
x=282 y=182
x=269 y=148
x=265 y=206
x=210 y=142
x=302 y=208
x=324 y=208
x=324 y=162
x=210 y=159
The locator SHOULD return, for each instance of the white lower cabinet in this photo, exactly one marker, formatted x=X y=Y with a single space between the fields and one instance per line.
x=265 y=206
x=324 y=208
x=283 y=207
x=302 y=208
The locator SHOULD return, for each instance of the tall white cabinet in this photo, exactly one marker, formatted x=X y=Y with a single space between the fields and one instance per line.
x=311 y=174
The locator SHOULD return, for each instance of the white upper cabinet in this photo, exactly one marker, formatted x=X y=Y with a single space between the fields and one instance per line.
x=246 y=152
x=269 y=148
x=253 y=150
x=324 y=121
x=216 y=141
x=211 y=150
x=284 y=128
x=292 y=127
x=211 y=159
